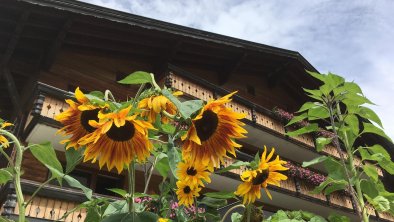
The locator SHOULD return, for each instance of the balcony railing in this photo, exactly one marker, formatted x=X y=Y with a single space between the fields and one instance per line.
x=51 y=203
x=256 y=115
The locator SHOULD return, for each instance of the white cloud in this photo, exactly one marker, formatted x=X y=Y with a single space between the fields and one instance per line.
x=351 y=38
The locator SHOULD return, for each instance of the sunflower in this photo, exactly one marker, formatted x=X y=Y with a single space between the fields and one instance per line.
x=155 y=104
x=76 y=119
x=186 y=192
x=163 y=220
x=193 y=174
x=254 y=180
x=3 y=140
x=212 y=133
x=118 y=139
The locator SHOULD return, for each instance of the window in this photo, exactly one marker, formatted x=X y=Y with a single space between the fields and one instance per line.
x=104 y=182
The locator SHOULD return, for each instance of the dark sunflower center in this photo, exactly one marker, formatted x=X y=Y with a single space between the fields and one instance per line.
x=206 y=126
x=122 y=133
x=186 y=190
x=89 y=115
x=191 y=171
x=261 y=177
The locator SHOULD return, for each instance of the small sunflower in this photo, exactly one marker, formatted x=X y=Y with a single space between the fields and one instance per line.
x=163 y=220
x=76 y=119
x=155 y=104
x=193 y=174
x=186 y=193
x=212 y=133
x=254 y=180
x=3 y=140
x=118 y=139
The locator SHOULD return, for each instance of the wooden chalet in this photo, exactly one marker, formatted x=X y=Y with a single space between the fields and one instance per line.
x=49 y=47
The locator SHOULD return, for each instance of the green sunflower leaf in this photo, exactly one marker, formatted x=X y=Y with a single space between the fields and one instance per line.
x=213 y=202
x=5 y=176
x=173 y=158
x=138 y=77
x=220 y=195
x=121 y=192
x=73 y=158
x=235 y=165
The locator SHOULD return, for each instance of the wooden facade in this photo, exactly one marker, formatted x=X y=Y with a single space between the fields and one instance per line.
x=67 y=44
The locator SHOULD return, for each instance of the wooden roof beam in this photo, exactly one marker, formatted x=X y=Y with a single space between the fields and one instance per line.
x=14 y=40
x=57 y=44
x=162 y=63
x=229 y=70
x=13 y=92
x=273 y=77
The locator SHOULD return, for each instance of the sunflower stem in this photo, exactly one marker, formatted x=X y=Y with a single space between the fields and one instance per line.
x=157 y=87
x=17 y=174
x=137 y=95
x=150 y=175
x=107 y=94
x=168 y=115
x=131 y=170
x=231 y=209
x=196 y=206
x=248 y=211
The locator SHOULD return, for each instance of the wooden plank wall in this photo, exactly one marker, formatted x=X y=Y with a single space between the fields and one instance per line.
x=91 y=72
x=33 y=169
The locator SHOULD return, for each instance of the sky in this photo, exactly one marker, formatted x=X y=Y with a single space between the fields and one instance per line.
x=353 y=38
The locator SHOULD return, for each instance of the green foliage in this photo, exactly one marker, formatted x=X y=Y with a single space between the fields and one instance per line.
x=73 y=158
x=187 y=108
x=294 y=216
x=314 y=161
x=220 y=195
x=235 y=165
x=163 y=165
x=321 y=142
x=45 y=153
x=5 y=176
x=138 y=217
x=138 y=77
x=173 y=158
x=306 y=129
x=118 y=191
x=337 y=218
x=236 y=217
x=213 y=202
x=341 y=106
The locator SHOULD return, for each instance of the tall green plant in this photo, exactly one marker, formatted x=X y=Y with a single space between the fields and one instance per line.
x=340 y=107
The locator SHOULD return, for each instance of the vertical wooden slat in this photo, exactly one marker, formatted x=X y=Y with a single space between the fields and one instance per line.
x=49 y=209
x=46 y=106
x=42 y=207
x=56 y=209
x=83 y=215
x=35 y=206
x=63 y=209
x=70 y=216
x=28 y=207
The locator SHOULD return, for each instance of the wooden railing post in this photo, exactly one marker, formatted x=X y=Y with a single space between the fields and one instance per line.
x=37 y=105
x=168 y=80
x=10 y=202
x=253 y=114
